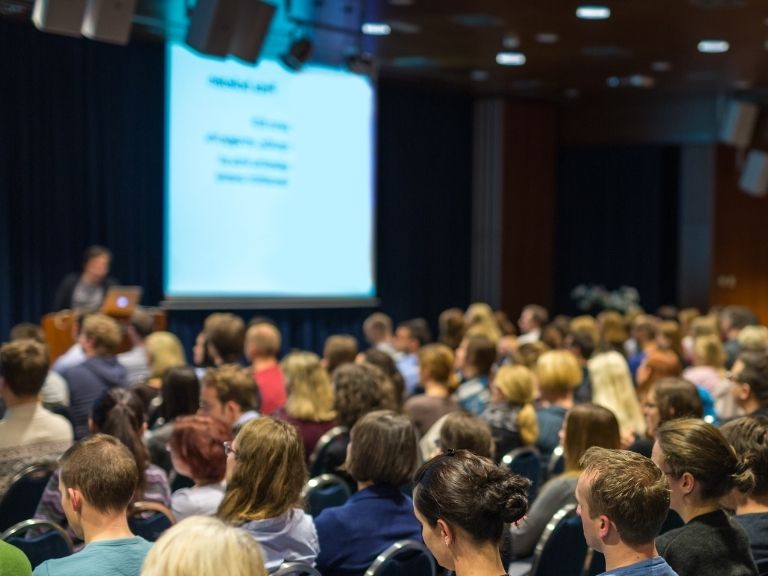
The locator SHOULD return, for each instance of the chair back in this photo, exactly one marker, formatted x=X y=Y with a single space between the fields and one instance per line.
x=149 y=519
x=297 y=568
x=24 y=492
x=403 y=558
x=556 y=463
x=53 y=543
x=329 y=452
x=562 y=549
x=526 y=461
x=325 y=491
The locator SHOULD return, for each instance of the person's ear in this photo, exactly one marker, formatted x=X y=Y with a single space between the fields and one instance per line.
x=743 y=390
x=75 y=498
x=603 y=526
x=687 y=482
x=446 y=532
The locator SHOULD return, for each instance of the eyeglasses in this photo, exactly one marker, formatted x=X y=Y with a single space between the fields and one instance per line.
x=228 y=449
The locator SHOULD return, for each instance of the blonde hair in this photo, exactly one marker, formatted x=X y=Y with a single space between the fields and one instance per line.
x=584 y=323
x=104 y=332
x=612 y=388
x=437 y=360
x=703 y=326
x=480 y=321
x=518 y=385
x=613 y=329
x=753 y=338
x=225 y=550
x=164 y=351
x=558 y=372
x=310 y=392
x=708 y=351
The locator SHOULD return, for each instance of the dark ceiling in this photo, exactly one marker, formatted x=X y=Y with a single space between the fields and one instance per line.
x=457 y=41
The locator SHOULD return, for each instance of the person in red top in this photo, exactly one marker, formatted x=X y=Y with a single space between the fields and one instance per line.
x=262 y=344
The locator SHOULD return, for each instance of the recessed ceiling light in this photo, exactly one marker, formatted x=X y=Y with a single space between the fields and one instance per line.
x=479 y=75
x=613 y=82
x=510 y=58
x=642 y=81
x=511 y=41
x=661 y=66
x=713 y=46
x=547 y=38
x=591 y=12
x=376 y=29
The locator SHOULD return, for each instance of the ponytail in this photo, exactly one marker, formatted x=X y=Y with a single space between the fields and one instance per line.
x=528 y=424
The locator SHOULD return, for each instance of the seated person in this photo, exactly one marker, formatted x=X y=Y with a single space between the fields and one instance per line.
x=227 y=551
x=265 y=477
x=623 y=500
x=28 y=432
x=262 y=345
x=439 y=382
x=228 y=393
x=135 y=360
x=475 y=357
x=13 y=561
x=85 y=291
x=224 y=334
x=339 y=349
x=463 y=431
x=559 y=375
x=54 y=393
x=197 y=452
x=382 y=457
x=98 y=480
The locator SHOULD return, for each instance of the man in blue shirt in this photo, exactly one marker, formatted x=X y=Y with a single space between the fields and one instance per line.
x=623 y=499
x=98 y=479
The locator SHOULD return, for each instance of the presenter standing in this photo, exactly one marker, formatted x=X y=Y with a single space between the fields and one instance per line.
x=85 y=291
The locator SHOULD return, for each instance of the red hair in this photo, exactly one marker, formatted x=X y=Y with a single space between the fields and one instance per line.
x=199 y=442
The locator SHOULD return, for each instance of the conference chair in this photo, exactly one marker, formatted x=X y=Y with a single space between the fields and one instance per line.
x=24 y=492
x=296 y=569
x=53 y=542
x=525 y=461
x=562 y=549
x=403 y=558
x=556 y=464
x=325 y=491
x=149 y=519
x=330 y=451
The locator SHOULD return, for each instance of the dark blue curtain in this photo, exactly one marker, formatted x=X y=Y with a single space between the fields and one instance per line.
x=81 y=162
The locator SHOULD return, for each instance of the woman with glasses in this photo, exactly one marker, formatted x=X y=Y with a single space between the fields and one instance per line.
x=265 y=477
x=462 y=502
x=701 y=468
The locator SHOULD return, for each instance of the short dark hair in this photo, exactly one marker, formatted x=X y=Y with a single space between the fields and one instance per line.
x=94 y=252
x=24 y=366
x=199 y=442
x=419 y=330
x=226 y=333
x=539 y=314
x=142 y=322
x=677 y=398
x=180 y=392
x=339 y=349
x=383 y=449
x=628 y=488
x=584 y=342
x=103 y=469
x=463 y=431
x=233 y=382
x=27 y=331
x=481 y=354
x=755 y=373
x=739 y=316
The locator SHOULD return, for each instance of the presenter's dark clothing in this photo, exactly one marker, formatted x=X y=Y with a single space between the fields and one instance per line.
x=709 y=545
x=756 y=527
x=352 y=535
x=87 y=382
x=66 y=291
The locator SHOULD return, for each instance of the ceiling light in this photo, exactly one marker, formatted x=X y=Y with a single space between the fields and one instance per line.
x=593 y=12
x=510 y=58
x=613 y=82
x=511 y=41
x=547 y=38
x=661 y=66
x=376 y=29
x=713 y=46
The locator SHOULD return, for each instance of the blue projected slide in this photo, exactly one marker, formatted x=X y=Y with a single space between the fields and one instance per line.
x=269 y=190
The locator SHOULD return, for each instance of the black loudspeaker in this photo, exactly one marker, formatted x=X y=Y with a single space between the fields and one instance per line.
x=59 y=16
x=237 y=27
x=739 y=123
x=109 y=20
x=754 y=177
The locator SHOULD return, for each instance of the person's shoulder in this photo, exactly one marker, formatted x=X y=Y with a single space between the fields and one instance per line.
x=670 y=538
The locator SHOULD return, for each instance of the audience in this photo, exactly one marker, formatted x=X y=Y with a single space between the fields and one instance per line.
x=438 y=381
x=750 y=383
x=644 y=335
x=463 y=502
x=479 y=320
x=581 y=344
x=559 y=375
x=54 y=394
x=359 y=389
x=623 y=500
x=708 y=372
x=201 y=546
x=465 y=431
x=228 y=393
x=532 y=319
x=382 y=457
x=451 y=327
x=265 y=477
x=339 y=349
x=377 y=329
x=197 y=452
x=386 y=364
x=224 y=336
x=612 y=330
x=657 y=364
x=731 y=320
x=262 y=345
x=701 y=467
x=409 y=337
x=475 y=358
x=135 y=360
x=28 y=432
x=164 y=351
x=98 y=480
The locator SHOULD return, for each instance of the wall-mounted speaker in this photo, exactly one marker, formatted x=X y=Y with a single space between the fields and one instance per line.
x=59 y=16
x=754 y=177
x=109 y=20
x=739 y=123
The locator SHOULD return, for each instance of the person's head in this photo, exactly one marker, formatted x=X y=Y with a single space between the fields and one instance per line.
x=224 y=334
x=704 y=326
x=339 y=349
x=436 y=365
x=27 y=331
x=612 y=387
x=359 y=389
x=620 y=491
x=180 y=393
x=686 y=316
x=709 y=351
x=23 y=368
x=476 y=356
x=587 y=425
x=197 y=448
x=753 y=338
x=480 y=320
x=310 y=393
x=96 y=261
x=377 y=328
x=164 y=351
x=227 y=392
x=464 y=431
x=733 y=318
x=671 y=398
x=462 y=498
x=749 y=437
x=226 y=550
x=386 y=364
x=669 y=336
x=383 y=449
x=98 y=477
x=516 y=385
x=200 y=355
x=559 y=374
x=262 y=342
x=585 y=323
x=100 y=335
x=528 y=354
x=700 y=465
x=141 y=325
x=450 y=326
x=644 y=329
x=749 y=375
x=532 y=317
x=265 y=472
x=412 y=335
x=657 y=364
x=613 y=330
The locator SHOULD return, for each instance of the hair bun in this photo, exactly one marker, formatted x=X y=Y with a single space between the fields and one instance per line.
x=506 y=493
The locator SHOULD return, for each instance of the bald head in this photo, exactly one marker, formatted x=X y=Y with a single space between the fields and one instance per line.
x=262 y=341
